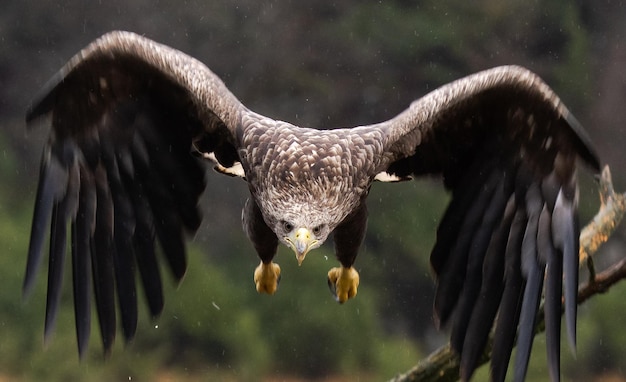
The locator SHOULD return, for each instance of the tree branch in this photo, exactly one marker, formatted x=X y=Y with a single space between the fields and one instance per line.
x=443 y=363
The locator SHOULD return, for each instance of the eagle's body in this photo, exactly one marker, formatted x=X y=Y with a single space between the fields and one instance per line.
x=127 y=114
x=335 y=167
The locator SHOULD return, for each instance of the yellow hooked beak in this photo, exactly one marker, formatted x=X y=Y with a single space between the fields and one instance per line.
x=301 y=242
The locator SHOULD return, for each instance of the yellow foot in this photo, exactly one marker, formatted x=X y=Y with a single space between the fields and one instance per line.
x=267 y=277
x=343 y=283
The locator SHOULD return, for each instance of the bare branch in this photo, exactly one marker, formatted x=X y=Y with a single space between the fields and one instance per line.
x=612 y=209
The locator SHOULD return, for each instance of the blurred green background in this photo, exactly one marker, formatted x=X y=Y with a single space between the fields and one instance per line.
x=322 y=64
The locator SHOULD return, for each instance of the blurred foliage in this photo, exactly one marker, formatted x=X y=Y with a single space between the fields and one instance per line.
x=321 y=64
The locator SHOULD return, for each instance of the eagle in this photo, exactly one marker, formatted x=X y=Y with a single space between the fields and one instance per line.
x=134 y=123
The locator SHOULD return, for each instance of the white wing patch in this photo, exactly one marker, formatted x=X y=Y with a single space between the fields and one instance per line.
x=386 y=177
x=235 y=170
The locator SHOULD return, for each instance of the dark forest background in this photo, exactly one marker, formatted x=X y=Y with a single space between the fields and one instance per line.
x=322 y=64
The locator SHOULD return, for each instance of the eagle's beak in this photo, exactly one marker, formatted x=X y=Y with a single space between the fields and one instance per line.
x=301 y=241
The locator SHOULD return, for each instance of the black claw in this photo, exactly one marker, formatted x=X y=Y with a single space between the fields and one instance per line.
x=333 y=289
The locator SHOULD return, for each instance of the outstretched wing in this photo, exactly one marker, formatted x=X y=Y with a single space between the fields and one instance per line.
x=126 y=114
x=507 y=148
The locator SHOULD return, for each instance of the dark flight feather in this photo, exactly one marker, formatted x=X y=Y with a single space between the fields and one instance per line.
x=477 y=252
x=53 y=180
x=103 y=251
x=485 y=307
x=511 y=301
x=565 y=232
x=553 y=287
x=82 y=232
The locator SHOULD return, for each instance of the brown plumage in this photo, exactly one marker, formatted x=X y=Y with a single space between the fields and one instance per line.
x=127 y=114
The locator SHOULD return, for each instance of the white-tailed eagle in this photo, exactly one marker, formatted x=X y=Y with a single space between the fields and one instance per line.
x=134 y=121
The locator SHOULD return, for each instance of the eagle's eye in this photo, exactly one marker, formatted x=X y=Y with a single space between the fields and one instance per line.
x=317 y=230
x=288 y=227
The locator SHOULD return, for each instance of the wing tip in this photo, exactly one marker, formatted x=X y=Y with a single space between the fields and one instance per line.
x=584 y=145
x=43 y=101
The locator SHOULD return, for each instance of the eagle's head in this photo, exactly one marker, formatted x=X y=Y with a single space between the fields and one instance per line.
x=301 y=233
x=304 y=220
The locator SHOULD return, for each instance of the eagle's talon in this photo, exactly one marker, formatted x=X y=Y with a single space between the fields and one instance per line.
x=267 y=277
x=343 y=283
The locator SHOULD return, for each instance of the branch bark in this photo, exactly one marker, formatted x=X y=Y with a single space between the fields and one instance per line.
x=443 y=363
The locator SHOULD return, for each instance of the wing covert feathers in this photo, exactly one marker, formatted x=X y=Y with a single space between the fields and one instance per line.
x=121 y=53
